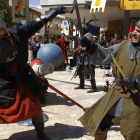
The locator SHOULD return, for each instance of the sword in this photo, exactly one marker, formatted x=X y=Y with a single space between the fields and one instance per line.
x=56 y=90
x=1 y=96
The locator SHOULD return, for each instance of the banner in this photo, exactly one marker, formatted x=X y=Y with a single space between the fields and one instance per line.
x=65 y=23
x=130 y=30
x=19 y=6
x=56 y=24
x=130 y=4
x=97 y=4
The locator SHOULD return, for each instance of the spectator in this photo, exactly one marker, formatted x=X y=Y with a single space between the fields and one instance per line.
x=125 y=37
x=130 y=35
x=101 y=41
x=52 y=38
x=106 y=40
x=30 y=54
x=62 y=44
x=57 y=37
x=46 y=35
x=95 y=39
x=115 y=40
x=44 y=41
x=35 y=46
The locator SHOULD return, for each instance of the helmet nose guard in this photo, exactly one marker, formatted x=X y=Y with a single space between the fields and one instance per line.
x=3 y=25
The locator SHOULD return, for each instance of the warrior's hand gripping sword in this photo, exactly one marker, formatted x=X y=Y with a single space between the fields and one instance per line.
x=122 y=72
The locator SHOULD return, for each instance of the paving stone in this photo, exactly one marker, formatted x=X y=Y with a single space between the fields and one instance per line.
x=63 y=115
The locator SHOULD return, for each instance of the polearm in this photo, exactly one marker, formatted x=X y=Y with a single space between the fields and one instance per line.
x=81 y=32
x=117 y=64
x=78 y=18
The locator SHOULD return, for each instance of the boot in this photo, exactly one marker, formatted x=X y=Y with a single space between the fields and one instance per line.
x=93 y=85
x=39 y=127
x=81 y=86
x=101 y=135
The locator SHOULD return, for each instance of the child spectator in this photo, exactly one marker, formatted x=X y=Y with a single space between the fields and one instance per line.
x=30 y=54
x=67 y=47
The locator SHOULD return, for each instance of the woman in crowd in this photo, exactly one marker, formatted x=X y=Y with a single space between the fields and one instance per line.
x=52 y=38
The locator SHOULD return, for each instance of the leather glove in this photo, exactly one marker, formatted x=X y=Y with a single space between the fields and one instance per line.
x=51 y=15
x=59 y=10
x=132 y=82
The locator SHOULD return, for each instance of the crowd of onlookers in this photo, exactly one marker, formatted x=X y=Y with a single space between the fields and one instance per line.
x=63 y=41
x=107 y=41
x=37 y=40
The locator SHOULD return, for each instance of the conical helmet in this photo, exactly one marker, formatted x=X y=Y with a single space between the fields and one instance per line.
x=3 y=25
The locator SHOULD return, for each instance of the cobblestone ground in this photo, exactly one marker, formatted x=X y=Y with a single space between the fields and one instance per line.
x=63 y=115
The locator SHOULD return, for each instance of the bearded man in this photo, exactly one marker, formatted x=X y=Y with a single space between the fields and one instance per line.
x=121 y=104
x=20 y=92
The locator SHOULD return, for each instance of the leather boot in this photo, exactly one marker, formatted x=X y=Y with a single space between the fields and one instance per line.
x=81 y=86
x=101 y=135
x=93 y=85
x=39 y=127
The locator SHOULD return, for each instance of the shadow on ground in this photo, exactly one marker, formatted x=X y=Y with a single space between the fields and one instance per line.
x=114 y=128
x=54 y=99
x=99 y=88
x=57 y=132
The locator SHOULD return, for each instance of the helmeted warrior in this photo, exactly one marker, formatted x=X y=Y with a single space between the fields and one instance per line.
x=85 y=68
x=20 y=92
x=121 y=104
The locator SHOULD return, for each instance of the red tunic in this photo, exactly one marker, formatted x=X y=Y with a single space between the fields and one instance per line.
x=24 y=106
x=62 y=44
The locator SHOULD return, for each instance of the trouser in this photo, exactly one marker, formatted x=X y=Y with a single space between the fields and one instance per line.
x=38 y=124
x=64 y=59
x=35 y=53
x=81 y=76
x=82 y=81
x=106 y=123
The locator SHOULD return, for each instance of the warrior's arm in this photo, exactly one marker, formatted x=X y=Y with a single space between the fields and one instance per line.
x=32 y=27
x=102 y=56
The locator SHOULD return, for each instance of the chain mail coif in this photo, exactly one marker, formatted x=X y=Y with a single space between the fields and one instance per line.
x=132 y=51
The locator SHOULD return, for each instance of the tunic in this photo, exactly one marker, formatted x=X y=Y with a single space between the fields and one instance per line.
x=131 y=106
x=22 y=105
x=62 y=44
x=19 y=89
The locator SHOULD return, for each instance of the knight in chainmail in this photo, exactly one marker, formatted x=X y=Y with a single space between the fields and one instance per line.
x=20 y=93
x=121 y=104
x=85 y=69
